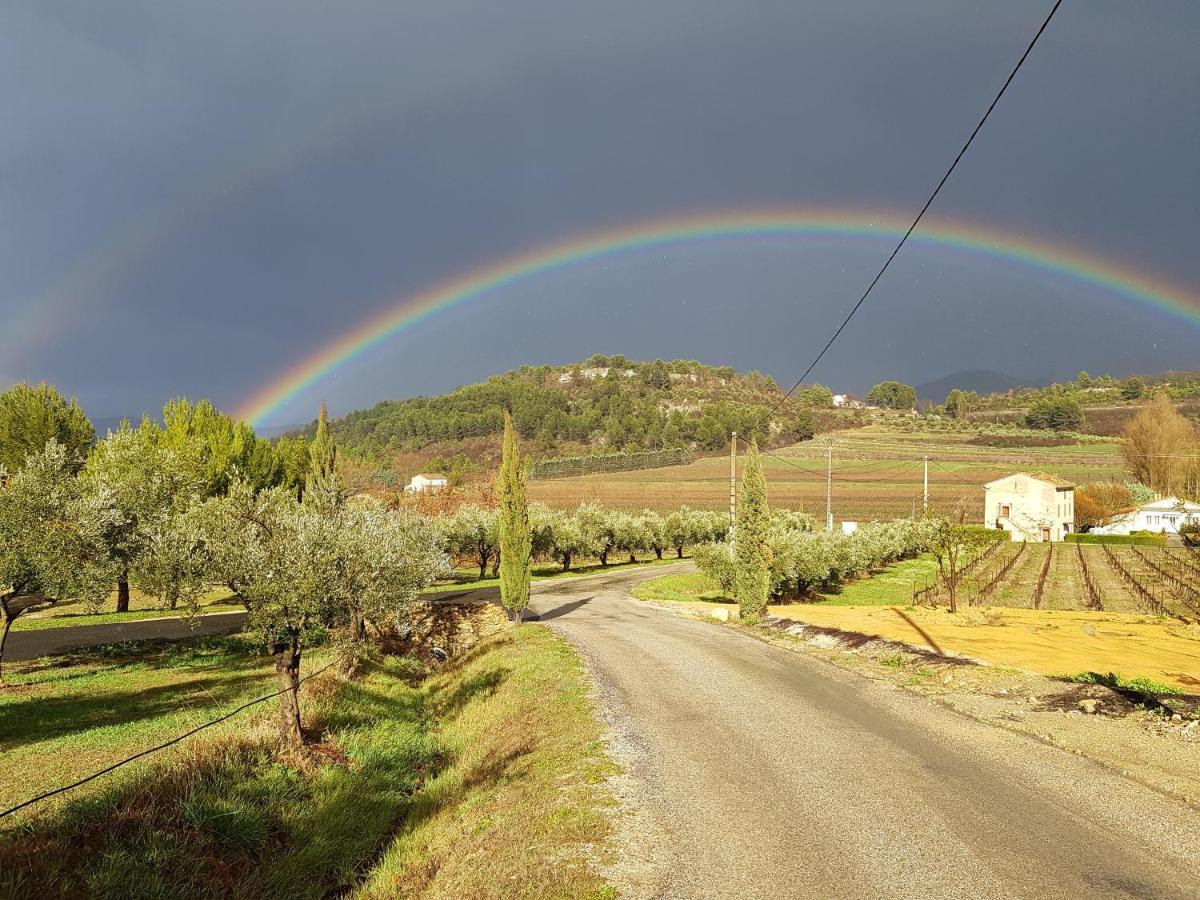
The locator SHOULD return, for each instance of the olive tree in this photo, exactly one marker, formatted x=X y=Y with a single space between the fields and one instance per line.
x=279 y=553
x=572 y=538
x=381 y=560
x=141 y=484
x=471 y=531
x=49 y=537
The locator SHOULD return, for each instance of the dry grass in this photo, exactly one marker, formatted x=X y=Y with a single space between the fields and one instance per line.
x=1052 y=642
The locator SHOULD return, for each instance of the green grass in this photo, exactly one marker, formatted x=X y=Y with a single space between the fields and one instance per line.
x=890 y=586
x=691 y=587
x=85 y=711
x=480 y=781
x=1138 y=683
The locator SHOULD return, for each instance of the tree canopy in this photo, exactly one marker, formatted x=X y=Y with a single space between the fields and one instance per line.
x=32 y=415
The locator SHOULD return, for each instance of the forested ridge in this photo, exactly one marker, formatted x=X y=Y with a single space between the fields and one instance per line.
x=605 y=403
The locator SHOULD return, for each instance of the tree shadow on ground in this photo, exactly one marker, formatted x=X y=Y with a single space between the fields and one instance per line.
x=232 y=819
x=564 y=609
x=45 y=718
x=856 y=640
x=485 y=684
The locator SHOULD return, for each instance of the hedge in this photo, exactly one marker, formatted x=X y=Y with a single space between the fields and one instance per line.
x=564 y=466
x=1141 y=540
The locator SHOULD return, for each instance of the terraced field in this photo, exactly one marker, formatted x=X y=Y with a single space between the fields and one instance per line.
x=877 y=474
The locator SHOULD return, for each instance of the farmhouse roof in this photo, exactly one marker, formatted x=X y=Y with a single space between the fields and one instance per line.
x=1061 y=483
x=1171 y=503
x=432 y=475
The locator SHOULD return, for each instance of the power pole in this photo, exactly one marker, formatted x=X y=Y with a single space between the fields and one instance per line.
x=829 y=488
x=732 y=491
x=925 y=493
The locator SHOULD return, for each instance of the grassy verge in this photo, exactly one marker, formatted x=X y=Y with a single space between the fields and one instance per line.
x=469 y=577
x=481 y=781
x=891 y=586
x=85 y=711
x=691 y=587
x=76 y=612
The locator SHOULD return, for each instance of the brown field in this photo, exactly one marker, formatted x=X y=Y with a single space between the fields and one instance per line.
x=876 y=475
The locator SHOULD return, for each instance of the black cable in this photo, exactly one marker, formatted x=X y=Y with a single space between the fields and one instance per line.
x=164 y=746
x=924 y=209
x=836 y=477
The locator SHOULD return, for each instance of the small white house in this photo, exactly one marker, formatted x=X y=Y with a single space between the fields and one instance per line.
x=1165 y=514
x=426 y=481
x=1030 y=507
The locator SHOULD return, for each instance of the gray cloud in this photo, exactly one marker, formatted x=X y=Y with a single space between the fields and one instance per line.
x=192 y=197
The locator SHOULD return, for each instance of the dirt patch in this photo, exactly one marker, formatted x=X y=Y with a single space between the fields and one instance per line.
x=438 y=630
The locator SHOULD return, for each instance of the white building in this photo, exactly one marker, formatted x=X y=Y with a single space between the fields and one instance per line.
x=1030 y=507
x=426 y=481
x=1165 y=514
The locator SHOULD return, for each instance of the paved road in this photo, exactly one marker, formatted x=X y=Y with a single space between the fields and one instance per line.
x=771 y=774
x=40 y=642
x=48 y=641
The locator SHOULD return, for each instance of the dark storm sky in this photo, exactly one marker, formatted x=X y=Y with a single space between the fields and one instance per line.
x=195 y=196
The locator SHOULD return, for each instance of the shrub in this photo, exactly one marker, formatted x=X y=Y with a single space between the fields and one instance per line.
x=1144 y=539
x=715 y=562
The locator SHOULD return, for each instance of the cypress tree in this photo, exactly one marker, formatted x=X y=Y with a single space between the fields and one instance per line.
x=320 y=484
x=752 y=556
x=515 y=536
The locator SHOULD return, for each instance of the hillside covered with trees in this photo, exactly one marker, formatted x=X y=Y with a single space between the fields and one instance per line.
x=606 y=403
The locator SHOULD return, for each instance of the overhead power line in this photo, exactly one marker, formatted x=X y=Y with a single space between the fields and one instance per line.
x=163 y=746
x=839 y=477
x=929 y=202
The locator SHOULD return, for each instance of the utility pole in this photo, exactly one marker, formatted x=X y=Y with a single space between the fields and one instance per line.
x=829 y=488
x=925 y=493
x=732 y=491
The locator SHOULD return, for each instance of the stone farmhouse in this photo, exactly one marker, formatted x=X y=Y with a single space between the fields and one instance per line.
x=1031 y=507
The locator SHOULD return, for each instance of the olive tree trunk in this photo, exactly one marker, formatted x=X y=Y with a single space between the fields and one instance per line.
x=287 y=676
x=123 y=592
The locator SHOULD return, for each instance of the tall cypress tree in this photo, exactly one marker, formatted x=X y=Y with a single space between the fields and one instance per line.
x=320 y=484
x=752 y=557
x=516 y=538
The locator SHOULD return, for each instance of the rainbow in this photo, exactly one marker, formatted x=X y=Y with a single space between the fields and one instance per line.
x=1054 y=258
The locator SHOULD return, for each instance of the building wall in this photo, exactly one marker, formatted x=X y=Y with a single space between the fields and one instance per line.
x=1034 y=505
x=1150 y=518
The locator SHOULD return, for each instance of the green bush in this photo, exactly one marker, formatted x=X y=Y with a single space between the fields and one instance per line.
x=1144 y=539
x=564 y=466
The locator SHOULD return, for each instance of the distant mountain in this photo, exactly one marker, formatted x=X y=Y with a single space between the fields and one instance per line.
x=982 y=381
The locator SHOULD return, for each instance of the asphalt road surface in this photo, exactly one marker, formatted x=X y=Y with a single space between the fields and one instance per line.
x=768 y=773
x=41 y=642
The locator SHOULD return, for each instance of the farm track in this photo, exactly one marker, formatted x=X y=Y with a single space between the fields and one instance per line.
x=1017 y=587
x=1064 y=588
x=1113 y=591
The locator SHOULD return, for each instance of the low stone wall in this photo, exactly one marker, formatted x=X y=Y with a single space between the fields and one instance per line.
x=452 y=627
